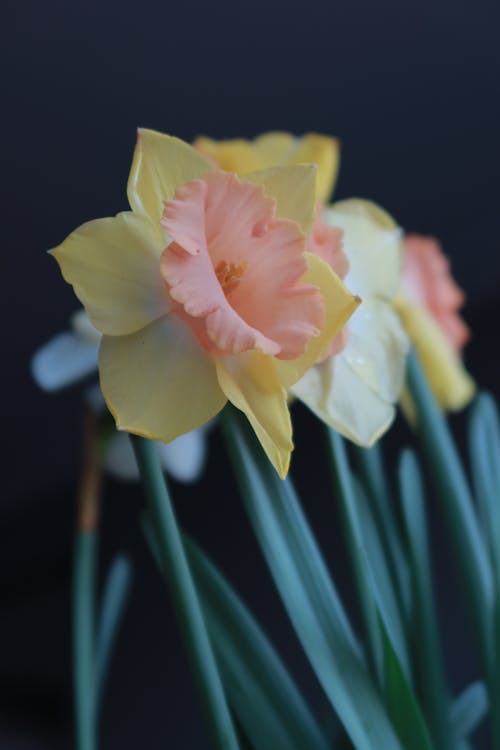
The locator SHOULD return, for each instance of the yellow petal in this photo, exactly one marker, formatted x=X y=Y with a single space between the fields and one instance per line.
x=342 y=399
x=373 y=245
x=273 y=148
x=251 y=383
x=113 y=265
x=293 y=189
x=339 y=306
x=277 y=149
x=243 y=156
x=377 y=347
x=451 y=384
x=235 y=155
x=160 y=165
x=323 y=151
x=158 y=382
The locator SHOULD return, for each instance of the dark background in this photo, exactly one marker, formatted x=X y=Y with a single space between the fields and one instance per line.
x=412 y=90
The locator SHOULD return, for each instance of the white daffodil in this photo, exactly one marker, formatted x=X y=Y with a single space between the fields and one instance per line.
x=356 y=388
x=70 y=357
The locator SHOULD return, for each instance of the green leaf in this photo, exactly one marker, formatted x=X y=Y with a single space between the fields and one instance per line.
x=402 y=703
x=372 y=576
x=454 y=493
x=273 y=714
x=371 y=466
x=469 y=709
x=175 y=567
x=370 y=564
x=308 y=593
x=381 y=582
x=268 y=706
x=484 y=448
x=113 y=603
x=428 y=661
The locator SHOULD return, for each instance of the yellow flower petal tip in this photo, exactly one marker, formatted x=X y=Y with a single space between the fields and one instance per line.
x=251 y=382
x=450 y=382
x=161 y=164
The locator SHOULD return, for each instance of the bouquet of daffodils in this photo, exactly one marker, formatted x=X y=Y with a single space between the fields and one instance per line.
x=230 y=290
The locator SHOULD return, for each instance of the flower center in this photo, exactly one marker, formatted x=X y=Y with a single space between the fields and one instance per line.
x=229 y=275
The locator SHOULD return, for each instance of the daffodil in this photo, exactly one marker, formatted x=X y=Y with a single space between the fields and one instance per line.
x=428 y=303
x=277 y=148
x=357 y=381
x=204 y=293
x=356 y=386
x=70 y=357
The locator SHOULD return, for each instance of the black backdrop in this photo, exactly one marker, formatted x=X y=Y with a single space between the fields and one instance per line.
x=411 y=88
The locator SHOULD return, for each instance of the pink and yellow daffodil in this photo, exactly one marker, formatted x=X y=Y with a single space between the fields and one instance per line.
x=204 y=293
x=356 y=388
x=428 y=303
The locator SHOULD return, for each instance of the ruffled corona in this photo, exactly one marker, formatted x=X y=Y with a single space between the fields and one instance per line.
x=238 y=282
x=204 y=293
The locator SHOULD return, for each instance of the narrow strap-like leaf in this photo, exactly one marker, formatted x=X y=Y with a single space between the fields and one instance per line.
x=484 y=447
x=469 y=709
x=269 y=706
x=347 y=489
x=345 y=495
x=378 y=568
x=454 y=493
x=370 y=462
x=428 y=663
x=403 y=704
x=185 y=598
x=376 y=588
x=311 y=601
x=113 y=604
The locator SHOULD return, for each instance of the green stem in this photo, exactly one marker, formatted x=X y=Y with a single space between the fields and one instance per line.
x=186 y=603
x=84 y=566
x=83 y=639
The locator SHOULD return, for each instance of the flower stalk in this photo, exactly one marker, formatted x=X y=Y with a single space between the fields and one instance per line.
x=84 y=574
x=185 y=598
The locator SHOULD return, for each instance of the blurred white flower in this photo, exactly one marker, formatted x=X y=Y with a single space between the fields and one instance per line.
x=70 y=357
